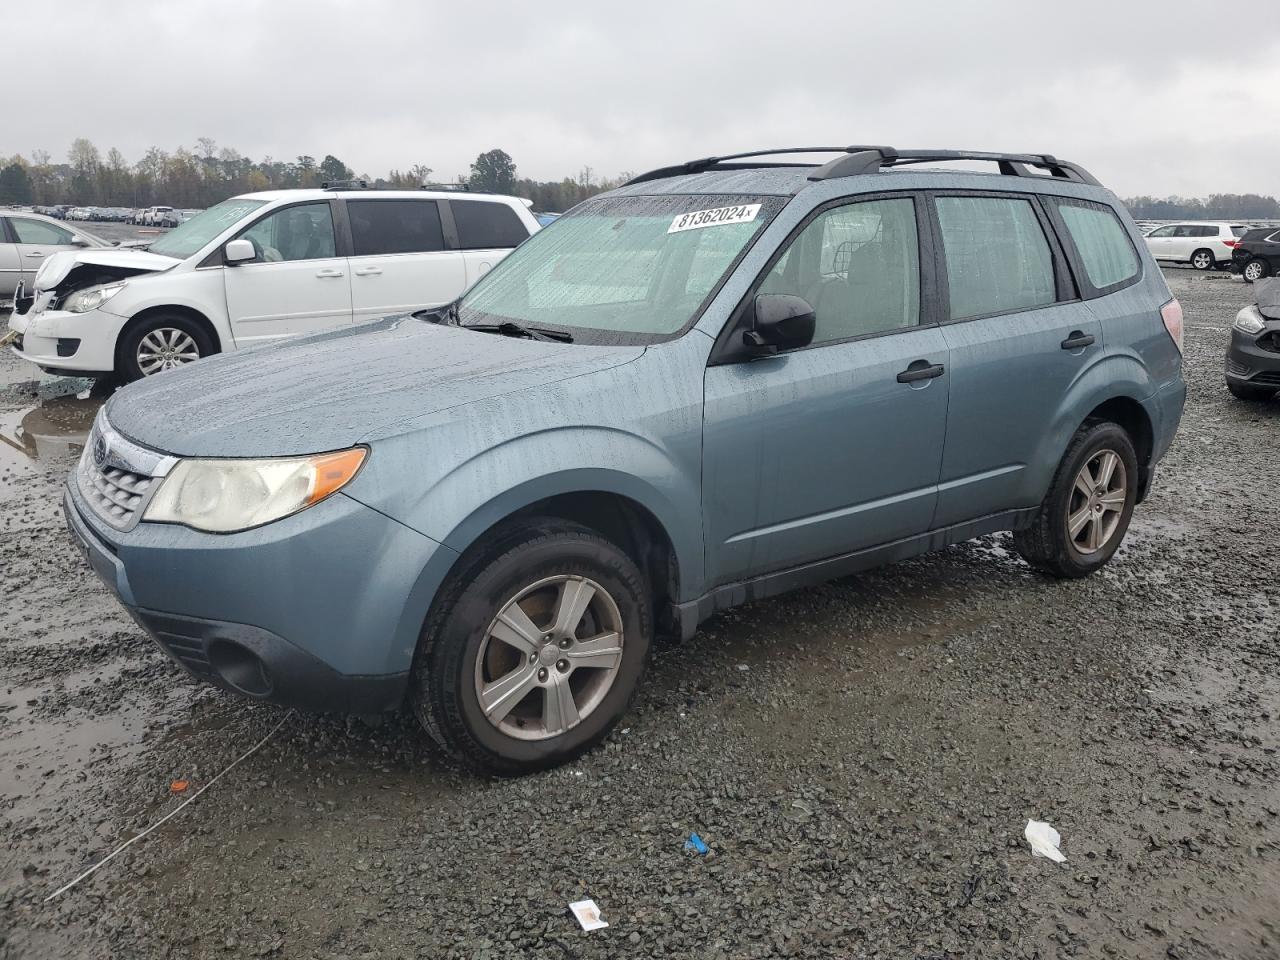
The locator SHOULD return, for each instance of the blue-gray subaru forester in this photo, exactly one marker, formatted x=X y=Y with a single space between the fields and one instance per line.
x=726 y=379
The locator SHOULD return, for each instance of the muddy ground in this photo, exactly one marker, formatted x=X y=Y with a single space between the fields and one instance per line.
x=861 y=757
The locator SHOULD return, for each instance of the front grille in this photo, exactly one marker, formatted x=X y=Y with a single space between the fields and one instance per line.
x=116 y=476
x=1270 y=341
x=1270 y=378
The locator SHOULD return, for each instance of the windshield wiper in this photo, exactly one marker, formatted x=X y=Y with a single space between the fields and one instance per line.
x=509 y=328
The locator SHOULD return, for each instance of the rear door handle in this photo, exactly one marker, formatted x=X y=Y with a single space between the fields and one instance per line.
x=328 y=274
x=36 y=253
x=921 y=370
x=368 y=271
x=1078 y=340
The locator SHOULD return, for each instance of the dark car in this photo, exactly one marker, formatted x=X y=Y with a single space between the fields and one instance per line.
x=1257 y=254
x=1253 y=358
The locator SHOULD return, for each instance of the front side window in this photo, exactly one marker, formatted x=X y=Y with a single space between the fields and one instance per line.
x=1101 y=240
x=486 y=225
x=998 y=258
x=858 y=266
x=394 y=226
x=191 y=236
x=1162 y=232
x=621 y=269
x=37 y=231
x=301 y=232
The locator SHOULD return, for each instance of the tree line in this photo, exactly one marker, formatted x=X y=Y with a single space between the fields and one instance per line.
x=205 y=174
x=202 y=175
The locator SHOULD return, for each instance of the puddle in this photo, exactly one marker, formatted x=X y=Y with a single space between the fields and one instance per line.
x=53 y=431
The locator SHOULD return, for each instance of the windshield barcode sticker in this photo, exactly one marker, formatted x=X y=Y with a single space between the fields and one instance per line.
x=716 y=217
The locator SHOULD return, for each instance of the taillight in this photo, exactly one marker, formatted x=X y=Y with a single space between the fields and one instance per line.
x=1171 y=314
x=1232 y=243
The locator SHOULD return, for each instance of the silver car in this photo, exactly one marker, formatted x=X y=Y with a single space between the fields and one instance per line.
x=26 y=239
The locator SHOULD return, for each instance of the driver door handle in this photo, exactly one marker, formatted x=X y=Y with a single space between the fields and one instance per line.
x=328 y=274
x=921 y=370
x=1077 y=341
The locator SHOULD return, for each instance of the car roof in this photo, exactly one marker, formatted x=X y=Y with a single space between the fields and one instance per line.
x=316 y=193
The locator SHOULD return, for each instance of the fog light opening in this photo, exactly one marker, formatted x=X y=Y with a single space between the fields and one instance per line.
x=240 y=668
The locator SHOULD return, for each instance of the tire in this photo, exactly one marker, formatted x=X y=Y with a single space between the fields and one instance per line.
x=1255 y=269
x=171 y=338
x=1048 y=544
x=1248 y=391
x=532 y=570
x=1204 y=259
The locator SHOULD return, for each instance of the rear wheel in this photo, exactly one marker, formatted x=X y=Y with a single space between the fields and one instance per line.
x=161 y=343
x=1083 y=519
x=1255 y=269
x=1248 y=391
x=1203 y=260
x=535 y=651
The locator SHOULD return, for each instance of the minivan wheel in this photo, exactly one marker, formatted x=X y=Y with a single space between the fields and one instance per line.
x=534 y=651
x=1203 y=260
x=1084 y=517
x=1255 y=269
x=161 y=343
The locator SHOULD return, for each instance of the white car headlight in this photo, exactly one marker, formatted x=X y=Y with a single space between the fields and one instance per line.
x=91 y=298
x=1249 y=320
x=224 y=496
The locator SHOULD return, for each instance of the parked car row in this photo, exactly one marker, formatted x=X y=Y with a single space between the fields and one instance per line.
x=692 y=392
x=158 y=216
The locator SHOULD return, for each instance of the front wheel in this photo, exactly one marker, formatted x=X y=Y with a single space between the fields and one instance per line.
x=1204 y=260
x=161 y=343
x=1256 y=269
x=1082 y=520
x=535 y=649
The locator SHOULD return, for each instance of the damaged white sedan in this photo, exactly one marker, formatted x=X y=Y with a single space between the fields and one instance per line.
x=257 y=268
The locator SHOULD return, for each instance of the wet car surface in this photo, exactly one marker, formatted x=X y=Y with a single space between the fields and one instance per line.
x=861 y=757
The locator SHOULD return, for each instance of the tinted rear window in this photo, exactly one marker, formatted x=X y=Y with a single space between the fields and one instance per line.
x=1101 y=241
x=484 y=225
x=1239 y=229
x=394 y=226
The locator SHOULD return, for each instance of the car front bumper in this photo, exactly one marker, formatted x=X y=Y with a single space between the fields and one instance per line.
x=58 y=341
x=1249 y=361
x=321 y=610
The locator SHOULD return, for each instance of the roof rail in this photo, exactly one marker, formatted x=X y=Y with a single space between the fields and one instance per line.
x=451 y=187
x=345 y=185
x=858 y=160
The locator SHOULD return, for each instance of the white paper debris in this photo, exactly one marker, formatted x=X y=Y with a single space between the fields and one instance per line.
x=1044 y=840
x=588 y=914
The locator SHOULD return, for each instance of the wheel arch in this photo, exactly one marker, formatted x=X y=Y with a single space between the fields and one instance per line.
x=149 y=313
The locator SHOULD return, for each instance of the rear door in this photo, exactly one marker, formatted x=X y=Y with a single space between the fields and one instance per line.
x=36 y=241
x=399 y=260
x=1018 y=337
x=486 y=231
x=297 y=283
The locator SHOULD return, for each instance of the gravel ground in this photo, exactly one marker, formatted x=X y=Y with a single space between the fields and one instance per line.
x=861 y=757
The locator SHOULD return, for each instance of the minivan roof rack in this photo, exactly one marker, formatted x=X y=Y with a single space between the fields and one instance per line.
x=456 y=187
x=857 y=160
x=345 y=185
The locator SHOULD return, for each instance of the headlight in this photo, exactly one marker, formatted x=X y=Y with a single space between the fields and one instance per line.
x=91 y=298
x=223 y=496
x=1249 y=320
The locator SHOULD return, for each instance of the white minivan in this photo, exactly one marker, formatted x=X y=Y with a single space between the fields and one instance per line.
x=260 y=267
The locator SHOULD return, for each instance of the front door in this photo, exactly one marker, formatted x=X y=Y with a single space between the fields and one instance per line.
x=1160 y=242
x=296 y=284
x=835 y=447
x=36 y=241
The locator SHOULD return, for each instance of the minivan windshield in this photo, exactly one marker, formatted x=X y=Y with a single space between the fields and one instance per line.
x=191 y=235
x=621 y=269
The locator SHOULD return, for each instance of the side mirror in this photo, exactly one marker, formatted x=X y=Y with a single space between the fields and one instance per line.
x=781 y=322
x=239 y=251
x=77 y=241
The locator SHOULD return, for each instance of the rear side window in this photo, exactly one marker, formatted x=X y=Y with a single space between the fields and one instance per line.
x=998 y=258
x=485 y=225
x=1101 y=241
x=394 y=226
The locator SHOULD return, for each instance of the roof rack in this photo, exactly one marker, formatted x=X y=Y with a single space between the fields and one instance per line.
x=858 y=160
x=451 y=187
x=345 y=185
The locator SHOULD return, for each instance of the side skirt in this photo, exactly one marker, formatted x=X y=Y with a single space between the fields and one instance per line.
x=692 y=612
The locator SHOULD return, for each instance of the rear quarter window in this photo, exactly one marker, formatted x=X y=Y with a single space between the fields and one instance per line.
x=484 y=225
x=1101 y=241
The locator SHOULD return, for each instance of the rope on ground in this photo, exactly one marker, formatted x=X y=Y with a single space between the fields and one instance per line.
x=172 y=813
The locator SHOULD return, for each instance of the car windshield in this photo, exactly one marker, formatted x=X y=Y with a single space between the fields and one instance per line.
x=191 y=235
x=621 y=269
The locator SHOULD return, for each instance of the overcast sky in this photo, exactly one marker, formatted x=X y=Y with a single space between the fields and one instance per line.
x=1176 y=96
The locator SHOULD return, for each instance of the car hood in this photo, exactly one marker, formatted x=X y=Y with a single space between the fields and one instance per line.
x=59 y=265
x=336 y=389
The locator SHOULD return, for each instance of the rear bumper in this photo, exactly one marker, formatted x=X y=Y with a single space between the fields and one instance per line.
x=1248 y=362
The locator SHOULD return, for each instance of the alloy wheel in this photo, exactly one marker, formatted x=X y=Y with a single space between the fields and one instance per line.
x=165 y=348
x=1253 y=270
x=1202 y=260
x=549 y=657
x=1097 y=502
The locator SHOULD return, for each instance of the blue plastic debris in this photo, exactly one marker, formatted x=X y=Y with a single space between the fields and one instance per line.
x=696 y=844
